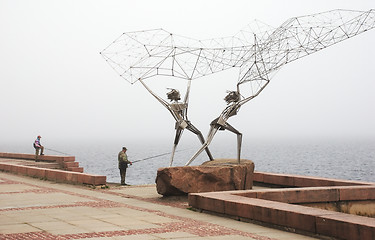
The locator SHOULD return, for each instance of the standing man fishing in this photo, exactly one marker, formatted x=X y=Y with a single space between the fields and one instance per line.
x=38 y=147
x=123 y=164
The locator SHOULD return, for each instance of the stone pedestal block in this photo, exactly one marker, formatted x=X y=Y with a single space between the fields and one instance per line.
x=211 y=176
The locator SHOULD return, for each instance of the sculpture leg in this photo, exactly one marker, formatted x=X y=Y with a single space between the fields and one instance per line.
x=210 y=136
x=239 y=145
x=239 y=139
x=195 y=130
x=176 y=140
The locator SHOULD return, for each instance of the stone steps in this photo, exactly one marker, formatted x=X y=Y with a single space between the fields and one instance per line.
x=54 y=168
x=50 y=165
x=67 y=163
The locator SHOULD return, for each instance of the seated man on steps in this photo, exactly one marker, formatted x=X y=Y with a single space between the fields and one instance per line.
x=38 y=147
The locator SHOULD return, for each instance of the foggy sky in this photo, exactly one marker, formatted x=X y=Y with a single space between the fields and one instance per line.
x=54 y=82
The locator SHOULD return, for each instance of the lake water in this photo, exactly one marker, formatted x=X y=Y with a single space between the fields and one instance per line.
x=351 y=160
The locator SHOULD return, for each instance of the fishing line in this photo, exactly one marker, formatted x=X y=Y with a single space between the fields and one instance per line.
x=57 y=151
x=157 y=156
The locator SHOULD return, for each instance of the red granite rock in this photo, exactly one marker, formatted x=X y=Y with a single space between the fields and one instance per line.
x=211 y=176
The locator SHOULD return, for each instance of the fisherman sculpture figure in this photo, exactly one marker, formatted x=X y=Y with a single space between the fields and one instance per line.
x=234 y=102
x=179 y=113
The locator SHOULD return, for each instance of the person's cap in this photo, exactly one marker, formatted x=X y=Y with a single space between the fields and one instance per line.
x=124 y=148
x=39 y=136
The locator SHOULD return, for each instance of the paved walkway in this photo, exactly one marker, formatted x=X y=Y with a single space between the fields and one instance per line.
x=35 y=209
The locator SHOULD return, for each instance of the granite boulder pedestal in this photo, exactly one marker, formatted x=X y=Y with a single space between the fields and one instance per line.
x=211 y=176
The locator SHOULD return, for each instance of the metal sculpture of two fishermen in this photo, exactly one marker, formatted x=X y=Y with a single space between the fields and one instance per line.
x=38 y=146
x=258 y=55
x=123 y=164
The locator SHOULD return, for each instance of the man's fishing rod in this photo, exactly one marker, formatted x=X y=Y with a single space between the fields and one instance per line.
x=57 y=151
x=157 y=156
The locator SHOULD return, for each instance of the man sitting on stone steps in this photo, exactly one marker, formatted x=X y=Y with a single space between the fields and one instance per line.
x=38 y=147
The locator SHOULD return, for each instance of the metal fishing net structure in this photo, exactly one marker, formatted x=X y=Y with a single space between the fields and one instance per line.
x=144 y=54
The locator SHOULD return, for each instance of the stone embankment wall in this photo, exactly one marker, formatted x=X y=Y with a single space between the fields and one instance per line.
x=299 y=203
x=53 y=168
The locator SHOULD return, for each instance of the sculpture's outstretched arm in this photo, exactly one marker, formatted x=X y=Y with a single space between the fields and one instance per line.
x=186 y=100
x=253 y=75
x=162 y=101
x=245 y=100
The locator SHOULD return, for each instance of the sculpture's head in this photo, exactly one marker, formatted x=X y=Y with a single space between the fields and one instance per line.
x=233 y=96
x=173 y=95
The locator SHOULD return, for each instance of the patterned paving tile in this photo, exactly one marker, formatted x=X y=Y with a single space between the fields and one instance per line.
x=53 y=213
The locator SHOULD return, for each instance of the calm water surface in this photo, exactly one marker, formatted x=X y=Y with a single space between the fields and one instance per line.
x=351 y=160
